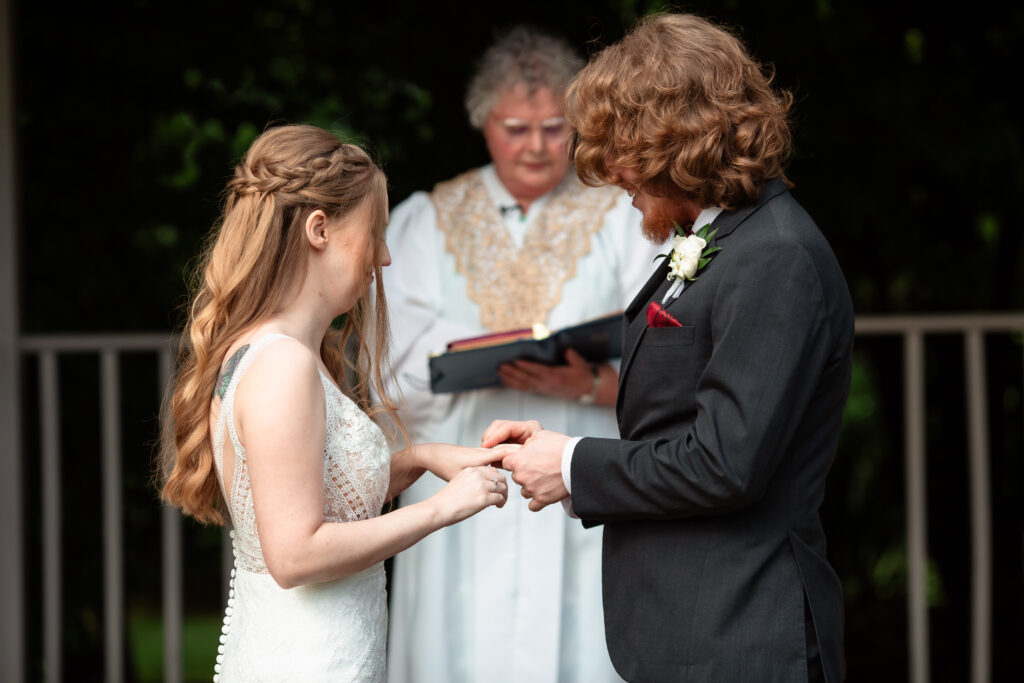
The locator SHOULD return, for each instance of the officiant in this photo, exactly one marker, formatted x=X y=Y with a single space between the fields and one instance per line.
x=516 y=242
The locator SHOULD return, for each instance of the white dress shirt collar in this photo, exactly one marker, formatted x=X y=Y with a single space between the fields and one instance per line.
x=706 y=216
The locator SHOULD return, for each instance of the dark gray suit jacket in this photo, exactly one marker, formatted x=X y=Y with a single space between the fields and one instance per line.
x=729 y=424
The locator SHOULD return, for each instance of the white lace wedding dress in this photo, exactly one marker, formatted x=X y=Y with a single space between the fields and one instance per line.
x=333 y=631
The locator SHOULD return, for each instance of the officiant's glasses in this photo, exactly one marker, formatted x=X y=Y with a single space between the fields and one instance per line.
x=554 y=128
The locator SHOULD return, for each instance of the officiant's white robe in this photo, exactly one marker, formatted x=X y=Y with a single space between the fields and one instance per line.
x=508 y=595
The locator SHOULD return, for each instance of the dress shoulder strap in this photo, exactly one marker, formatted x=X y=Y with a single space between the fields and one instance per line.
x=226 y=386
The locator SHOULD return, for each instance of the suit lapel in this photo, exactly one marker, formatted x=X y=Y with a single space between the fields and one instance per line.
x=639 y=303
x=635 y=320
x=635 y=316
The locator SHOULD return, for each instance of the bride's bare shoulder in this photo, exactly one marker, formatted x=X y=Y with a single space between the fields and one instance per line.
x=283 y=370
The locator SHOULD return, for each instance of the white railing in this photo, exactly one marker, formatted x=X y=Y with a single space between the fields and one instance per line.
x=912 y=330
x=109 y=348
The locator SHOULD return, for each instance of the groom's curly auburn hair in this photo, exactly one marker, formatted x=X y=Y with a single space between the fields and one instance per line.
x=681 y=102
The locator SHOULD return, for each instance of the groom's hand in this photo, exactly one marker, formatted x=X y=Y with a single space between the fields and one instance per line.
x=510 y=431
x=537 y=467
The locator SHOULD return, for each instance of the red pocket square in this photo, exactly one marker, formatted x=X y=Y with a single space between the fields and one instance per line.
x=659 y=317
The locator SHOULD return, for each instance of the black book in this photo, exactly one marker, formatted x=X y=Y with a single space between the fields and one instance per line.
x=472 y=363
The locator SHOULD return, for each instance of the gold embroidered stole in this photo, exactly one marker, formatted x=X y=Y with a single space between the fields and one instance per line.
x=517 y=287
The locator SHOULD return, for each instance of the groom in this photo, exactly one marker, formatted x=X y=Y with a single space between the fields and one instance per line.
x=732 y=388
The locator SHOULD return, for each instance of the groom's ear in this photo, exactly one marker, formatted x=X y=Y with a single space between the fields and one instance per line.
x=316 y=229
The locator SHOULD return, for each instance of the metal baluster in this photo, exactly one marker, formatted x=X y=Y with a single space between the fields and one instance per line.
x=49 y=411
x=113 y=553
x=173 y=582
x=917 y=521
x=981 y=518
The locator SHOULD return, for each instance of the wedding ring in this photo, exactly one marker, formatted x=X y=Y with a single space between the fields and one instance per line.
x=495 y=485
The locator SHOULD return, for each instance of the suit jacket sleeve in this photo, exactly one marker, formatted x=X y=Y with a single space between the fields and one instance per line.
x=770 y=345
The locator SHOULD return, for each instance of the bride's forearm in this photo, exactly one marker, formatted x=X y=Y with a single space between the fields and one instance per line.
x=407 y=465
x=442 y=460
x=339 y=549
x=299 y=553
x=406 y=469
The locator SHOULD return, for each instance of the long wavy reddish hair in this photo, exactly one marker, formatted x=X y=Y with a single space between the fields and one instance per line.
x=246 y=268
x=681 y=102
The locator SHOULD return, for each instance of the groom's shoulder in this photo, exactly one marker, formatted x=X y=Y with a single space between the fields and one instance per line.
x=798 y=236
x=780 y=239
x=784 y=217
x=781 y=222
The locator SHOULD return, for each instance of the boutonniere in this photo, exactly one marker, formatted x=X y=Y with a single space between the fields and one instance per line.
x=690 y=253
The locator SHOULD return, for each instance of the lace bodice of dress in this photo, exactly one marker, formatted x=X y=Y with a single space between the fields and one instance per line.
x=356 y=460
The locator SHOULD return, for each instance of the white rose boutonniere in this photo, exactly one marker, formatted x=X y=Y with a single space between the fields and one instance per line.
x=690 y=253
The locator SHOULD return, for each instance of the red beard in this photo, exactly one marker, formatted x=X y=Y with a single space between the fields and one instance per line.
x=663 y=213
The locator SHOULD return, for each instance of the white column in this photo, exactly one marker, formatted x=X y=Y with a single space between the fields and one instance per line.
x=12 y=636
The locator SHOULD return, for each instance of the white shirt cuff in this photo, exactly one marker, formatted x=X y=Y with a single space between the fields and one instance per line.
x=567 y=452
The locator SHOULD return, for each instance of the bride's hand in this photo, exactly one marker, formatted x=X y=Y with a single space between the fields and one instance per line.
x=445 y=460
x=469 y=492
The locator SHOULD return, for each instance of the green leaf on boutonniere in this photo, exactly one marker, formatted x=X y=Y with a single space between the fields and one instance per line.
x=702 y=232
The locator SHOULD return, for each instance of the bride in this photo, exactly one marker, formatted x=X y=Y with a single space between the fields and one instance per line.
x=259 y=417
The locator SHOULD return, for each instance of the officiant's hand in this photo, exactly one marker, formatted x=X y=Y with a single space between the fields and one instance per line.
x=569 y=381
x=537 y=468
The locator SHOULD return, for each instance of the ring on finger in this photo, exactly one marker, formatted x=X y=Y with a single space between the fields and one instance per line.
x=495 y=485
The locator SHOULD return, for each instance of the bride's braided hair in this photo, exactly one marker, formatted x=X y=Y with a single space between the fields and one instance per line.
x=245 y=270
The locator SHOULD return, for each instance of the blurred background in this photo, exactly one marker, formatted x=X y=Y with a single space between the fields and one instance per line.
x=127 y=116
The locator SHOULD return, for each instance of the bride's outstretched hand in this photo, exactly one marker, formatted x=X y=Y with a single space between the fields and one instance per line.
x=445 y=460
x=469 y=492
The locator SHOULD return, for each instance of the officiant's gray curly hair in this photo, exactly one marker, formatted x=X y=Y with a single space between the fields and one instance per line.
x=523 y=56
